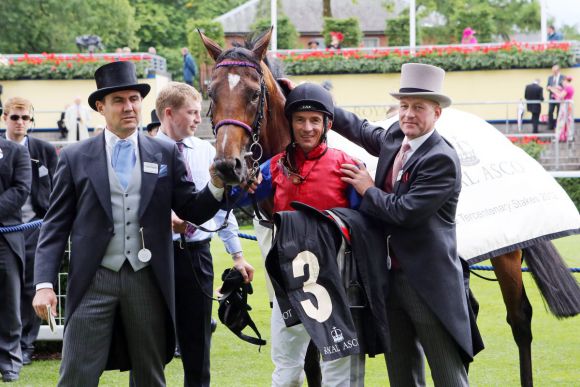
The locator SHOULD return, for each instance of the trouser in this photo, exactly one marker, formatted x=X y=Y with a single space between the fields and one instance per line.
x=289 y=347
x=535 y=121
x=88 y=331
x=10 y=323
x=193 y=309
x=30 y=321
x=417 y=333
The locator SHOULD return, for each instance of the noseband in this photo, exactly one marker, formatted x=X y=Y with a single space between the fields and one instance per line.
x=255 y=149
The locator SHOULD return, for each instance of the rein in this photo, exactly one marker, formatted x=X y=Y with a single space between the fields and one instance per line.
x=254 y=151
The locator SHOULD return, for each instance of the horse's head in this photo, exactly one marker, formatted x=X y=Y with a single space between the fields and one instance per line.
x=240 y=91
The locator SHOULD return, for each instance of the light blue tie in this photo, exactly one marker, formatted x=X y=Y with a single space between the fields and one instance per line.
x=123 y=161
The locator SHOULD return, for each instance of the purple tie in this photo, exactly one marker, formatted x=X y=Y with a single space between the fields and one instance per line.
x=189 y=229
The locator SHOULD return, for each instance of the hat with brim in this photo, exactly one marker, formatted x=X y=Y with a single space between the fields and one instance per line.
x=116 y=76
x=420 y=80
x=154 y=121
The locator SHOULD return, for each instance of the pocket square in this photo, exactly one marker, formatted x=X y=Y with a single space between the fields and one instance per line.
x=162 y=170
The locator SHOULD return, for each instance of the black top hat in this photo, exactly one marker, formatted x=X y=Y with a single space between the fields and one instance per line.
x=154 y=121
x=116 y=76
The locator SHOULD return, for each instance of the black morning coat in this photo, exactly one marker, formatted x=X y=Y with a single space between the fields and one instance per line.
x=420 y=217
x=80 y=206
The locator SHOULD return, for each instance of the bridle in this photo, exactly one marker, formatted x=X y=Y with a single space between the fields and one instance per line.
x=254 y=150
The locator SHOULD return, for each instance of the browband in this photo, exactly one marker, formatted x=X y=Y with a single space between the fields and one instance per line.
x=229 y=63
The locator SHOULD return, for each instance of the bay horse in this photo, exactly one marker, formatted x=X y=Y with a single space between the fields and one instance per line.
x=247 y=108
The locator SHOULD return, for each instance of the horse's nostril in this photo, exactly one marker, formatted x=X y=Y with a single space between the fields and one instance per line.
x=238 y=164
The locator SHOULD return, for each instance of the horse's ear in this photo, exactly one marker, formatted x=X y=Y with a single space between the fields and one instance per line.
x=212 y=47
x=261 y=45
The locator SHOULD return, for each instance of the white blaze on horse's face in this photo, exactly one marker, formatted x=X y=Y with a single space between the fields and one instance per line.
x=225 y=141
x=233 y=80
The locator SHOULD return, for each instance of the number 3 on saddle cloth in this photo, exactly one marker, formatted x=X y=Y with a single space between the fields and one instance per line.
x=320 y=286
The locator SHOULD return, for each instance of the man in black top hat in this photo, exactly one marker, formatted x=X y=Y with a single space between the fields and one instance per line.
x=153 y=126
x=113 y=194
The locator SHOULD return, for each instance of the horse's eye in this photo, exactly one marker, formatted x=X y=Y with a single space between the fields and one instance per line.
x=255 y=96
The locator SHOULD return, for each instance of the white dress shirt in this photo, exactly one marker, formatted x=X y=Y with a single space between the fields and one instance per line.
x=199 y=155
x=416 y=143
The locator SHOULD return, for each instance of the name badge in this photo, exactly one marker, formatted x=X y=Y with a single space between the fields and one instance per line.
x=399 y=175
x=151 y=168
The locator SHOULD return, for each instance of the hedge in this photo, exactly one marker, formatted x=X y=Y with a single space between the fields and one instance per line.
x=451 y=58
x=59 y=66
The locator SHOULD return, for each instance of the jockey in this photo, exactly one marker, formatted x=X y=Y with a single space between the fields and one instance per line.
x=307 y=171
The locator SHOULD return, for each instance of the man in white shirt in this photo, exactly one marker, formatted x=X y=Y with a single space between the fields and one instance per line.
x=77 y=118
x=178 y=107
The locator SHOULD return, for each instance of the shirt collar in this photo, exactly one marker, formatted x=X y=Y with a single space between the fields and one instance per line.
x=111 y=138
x=418 y=141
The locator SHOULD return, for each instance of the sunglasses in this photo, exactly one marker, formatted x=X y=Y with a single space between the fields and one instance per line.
x=16 y=117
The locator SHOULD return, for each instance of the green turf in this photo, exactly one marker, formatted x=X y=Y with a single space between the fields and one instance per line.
x=556 y=346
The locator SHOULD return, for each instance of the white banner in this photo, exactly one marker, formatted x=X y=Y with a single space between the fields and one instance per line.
x=507 y=200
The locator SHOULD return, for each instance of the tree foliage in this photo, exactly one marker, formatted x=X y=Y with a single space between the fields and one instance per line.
x=213 y=30
x=490 y=18
x=36 y=26
x=52 y=25
x=287 y=34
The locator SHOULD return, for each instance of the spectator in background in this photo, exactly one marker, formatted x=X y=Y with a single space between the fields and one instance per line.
x=336 y=39
x=554 y=82
x=553 y=35
x=189 y=67
x=153 y=126
x=126 y=50
x=468 y=36
x=76 y=119
x=15 y=179
x=313 y=45
x=565 y=124
x=61 y=124
x=534 y=92
x=152 y=50
x=43 y=160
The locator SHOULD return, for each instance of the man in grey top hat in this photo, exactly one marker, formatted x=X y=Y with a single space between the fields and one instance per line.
x=414 y=196
x=113 y=194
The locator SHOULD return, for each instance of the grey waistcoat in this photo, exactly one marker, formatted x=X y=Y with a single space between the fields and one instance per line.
x=126 y=241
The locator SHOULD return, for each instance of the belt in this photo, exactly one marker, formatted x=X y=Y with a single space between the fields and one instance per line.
x=192 y=244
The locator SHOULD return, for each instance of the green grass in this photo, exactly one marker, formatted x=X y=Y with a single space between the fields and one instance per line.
x=556 y=346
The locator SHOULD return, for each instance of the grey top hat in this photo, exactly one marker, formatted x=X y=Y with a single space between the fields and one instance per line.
x=116 y=76
x=423 y=81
